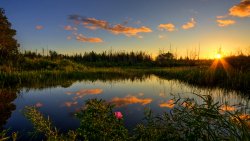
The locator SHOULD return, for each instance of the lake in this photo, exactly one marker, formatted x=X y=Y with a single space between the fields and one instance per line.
x=130 y=95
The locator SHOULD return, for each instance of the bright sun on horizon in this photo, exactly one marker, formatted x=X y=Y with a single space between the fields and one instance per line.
x=218 y=56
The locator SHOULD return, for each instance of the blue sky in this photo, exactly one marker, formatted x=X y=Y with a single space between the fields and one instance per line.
x=131 y=25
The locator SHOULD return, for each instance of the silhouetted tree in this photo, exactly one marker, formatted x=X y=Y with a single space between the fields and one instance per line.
x=8 y=44
x=165 y=59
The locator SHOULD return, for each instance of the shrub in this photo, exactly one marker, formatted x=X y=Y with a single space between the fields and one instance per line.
x=98 y=122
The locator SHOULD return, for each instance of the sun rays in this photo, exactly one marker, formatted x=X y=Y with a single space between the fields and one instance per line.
x=220 y=62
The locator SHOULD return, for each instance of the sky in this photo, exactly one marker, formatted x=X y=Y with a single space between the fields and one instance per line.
x=183 y=27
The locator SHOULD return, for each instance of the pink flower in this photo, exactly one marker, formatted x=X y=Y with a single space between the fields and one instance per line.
x=118 y=115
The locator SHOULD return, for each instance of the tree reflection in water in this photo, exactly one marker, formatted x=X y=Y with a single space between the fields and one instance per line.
x=7 y=96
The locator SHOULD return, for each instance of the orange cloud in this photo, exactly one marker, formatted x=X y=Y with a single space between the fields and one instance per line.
x=221 y=17
x=168 y=27
x=130 y=100
x=82 y=38
x=93 y=24
x=68 y=27
x=129 y=31
x=223 y=23
x=169 y=104
x=241 y=10
x=189 y=24
x=39 y=27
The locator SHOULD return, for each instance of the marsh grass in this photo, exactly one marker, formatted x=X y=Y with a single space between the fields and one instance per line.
x=198 y=76
x=192 y=121
x=5 y=137
x=231 y=79
x=53 y=78
x=206 y=77
x=43 y=125
x=187 y=121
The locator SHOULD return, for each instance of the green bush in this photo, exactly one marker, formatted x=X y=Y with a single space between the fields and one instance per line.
x=98 y=122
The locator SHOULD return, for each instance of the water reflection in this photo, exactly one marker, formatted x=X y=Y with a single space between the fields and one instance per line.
x=227 y=108
x=38 y=105
x=119 y=102
x=169 y=104
x=80 y=94
x=70 y=103
x=129 y=95
x=7 y=96
x=83 y=92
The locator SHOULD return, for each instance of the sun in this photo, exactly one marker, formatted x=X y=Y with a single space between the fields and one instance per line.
x=218 y=56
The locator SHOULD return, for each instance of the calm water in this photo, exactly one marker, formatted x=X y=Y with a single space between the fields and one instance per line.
x=131 y=97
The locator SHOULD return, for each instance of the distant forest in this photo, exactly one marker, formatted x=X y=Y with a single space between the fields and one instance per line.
x=54 y=61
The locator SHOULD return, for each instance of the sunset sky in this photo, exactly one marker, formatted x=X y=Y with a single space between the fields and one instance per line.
x=76 y=26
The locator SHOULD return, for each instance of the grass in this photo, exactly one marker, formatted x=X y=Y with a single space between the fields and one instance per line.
x=5 y=137
x=40 y=79
x=44 y=125
x=187 y=121
x=207 y=77
x=199 y=76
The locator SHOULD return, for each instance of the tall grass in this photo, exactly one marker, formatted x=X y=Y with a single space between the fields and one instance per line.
x=192 y=121
x=206 y=77
x=5 y=137
x=44 y=126
x=40 y=79
x=199 y=76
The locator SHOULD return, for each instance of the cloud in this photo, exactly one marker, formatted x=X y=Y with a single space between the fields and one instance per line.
x=129 y=31
x=93 y=24
x=161 y=36
x=169 y=104
x=39 y=27
x=130 y=100
x=223 y=23
x=241 y=10
x=82 y=38
x=68 y=27
x=167 y=26
x=189 y=24
x=69 y=37
x=221 y=17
